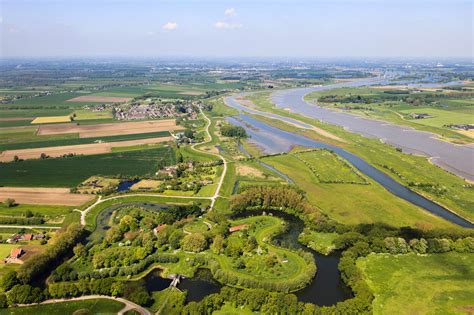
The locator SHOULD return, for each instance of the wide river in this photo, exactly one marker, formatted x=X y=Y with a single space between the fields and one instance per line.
x=457 y=159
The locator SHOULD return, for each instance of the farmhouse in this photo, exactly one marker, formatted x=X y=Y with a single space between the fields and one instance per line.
x=419 y=116
x=159 y=228
x=238 y=228
x=15 y=255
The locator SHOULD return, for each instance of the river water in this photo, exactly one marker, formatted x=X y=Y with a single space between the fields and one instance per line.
x=457 y=159
x=274 y=140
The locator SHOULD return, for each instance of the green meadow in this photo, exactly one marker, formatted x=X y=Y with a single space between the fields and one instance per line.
x=94 y=306
x=353 y=203
x=420 y=284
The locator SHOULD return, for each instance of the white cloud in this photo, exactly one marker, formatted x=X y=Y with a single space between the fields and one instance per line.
x=229 y=12
x=227 y=26
x=170 y=26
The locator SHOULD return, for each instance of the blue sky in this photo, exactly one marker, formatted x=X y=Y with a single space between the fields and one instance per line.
x=240 y=28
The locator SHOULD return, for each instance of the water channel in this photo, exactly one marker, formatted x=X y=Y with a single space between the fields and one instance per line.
x=274 y=140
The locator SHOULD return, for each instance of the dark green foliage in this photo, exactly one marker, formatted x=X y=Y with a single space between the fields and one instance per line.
x=8 y=280
x=233 y=131
x=43 y=262
x=24 y=294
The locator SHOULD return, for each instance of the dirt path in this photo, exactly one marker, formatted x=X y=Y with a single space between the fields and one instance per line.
x=128 y=304
x=221 y=180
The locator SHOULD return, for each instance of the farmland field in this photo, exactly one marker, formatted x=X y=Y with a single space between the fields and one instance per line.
x=43 y=196
x=113 y=129
x=434 y=284
x=81 y=149
x=40 y=143
x=99 y=99
x=51 y=119
x=96 y=306
x=69 y=172
x=441 y=117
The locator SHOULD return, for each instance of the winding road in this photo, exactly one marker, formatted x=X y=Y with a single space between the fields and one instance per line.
x=128 y=304
x=213 y=198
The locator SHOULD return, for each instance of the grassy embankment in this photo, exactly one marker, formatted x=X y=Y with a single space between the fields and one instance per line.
x=413 y=171
x=432 y=284
x=98 y=306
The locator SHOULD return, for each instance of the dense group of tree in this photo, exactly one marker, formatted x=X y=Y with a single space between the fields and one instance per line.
x=228 y=130
x=43 y=262
x=257 y=300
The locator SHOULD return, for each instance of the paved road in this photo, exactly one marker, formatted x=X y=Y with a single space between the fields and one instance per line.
x=221 y=180
x=128 y=304
x=30 y=226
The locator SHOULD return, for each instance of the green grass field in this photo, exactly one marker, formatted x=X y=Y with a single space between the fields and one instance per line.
x=69 y=172
x=353 y=203
x=43 y=210
x=75 y=141
x=441 y=117
x=55 y=101
x=5 y=250
x=329 y=167
x=84 y=114
x=416 y=284
x=97 y=306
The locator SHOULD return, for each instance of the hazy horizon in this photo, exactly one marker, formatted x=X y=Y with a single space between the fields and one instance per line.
x=236 y=29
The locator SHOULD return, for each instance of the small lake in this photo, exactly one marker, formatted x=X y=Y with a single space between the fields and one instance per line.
x=126 y=184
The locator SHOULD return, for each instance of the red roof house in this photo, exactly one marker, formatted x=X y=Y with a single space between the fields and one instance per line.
x=16 y=253
x=27 y=237
x=238 y=228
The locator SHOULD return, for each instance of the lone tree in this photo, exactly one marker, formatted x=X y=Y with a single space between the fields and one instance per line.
x=9 y=202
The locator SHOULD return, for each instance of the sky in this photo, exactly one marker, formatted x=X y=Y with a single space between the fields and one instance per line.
x=239 y=28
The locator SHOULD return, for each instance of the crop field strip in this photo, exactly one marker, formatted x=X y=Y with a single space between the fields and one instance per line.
x=76 y=141
x=43 y=196
x=80 y=149
x=97 y=130
x=69 y=172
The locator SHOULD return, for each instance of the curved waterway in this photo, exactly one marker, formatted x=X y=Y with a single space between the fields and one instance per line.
x=457 y=159
x=274 y=140
x=327 y=287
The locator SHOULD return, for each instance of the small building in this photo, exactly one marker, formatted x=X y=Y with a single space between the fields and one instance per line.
x=16 y=253
x=419 y=116
x=14 y=257
x=159 y=228
x=238 y=228
x=27 y=237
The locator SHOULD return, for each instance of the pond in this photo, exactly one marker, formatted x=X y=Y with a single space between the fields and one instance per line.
x=197 y=287
x=126 y=184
